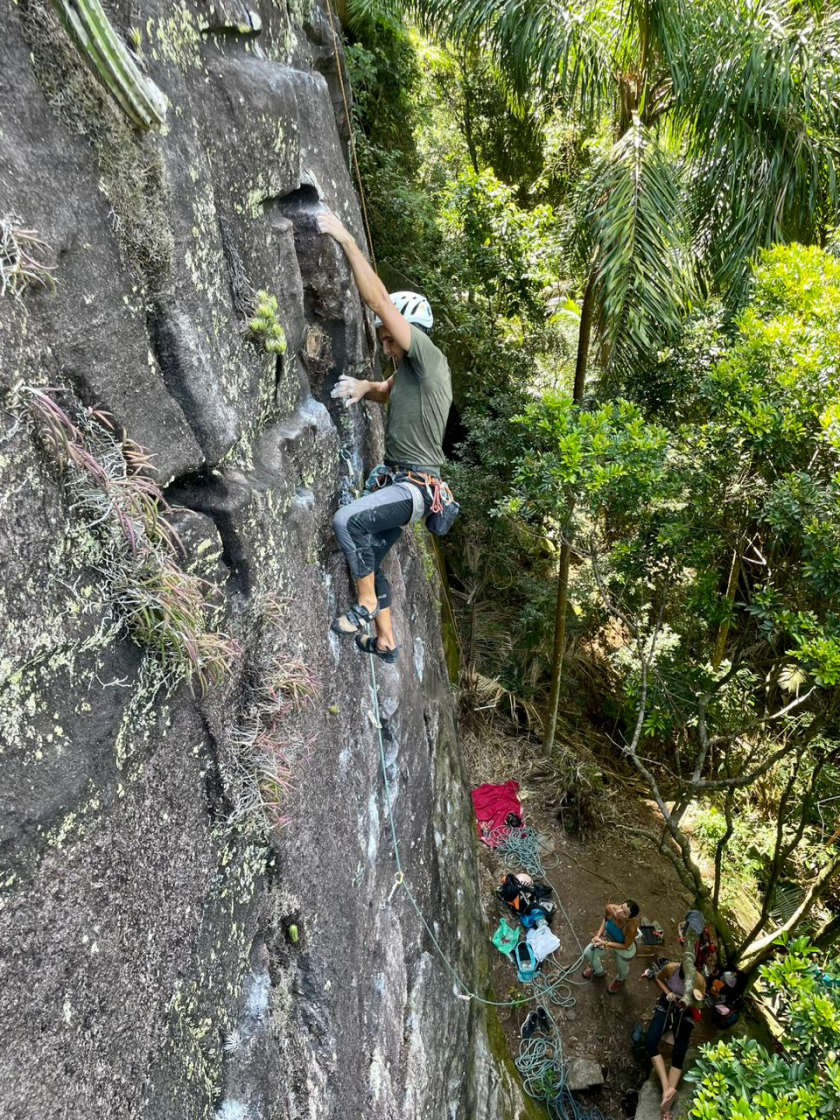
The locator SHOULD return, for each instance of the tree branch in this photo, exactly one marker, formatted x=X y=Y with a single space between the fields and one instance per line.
x=658 y=843
x=828 y=933
x=768 y=764
x=760 y=950
x=721 y=844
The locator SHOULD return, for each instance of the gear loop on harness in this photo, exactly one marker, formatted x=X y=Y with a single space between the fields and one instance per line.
x=439 y=493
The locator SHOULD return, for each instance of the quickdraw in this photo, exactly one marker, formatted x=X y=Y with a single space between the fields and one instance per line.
x=436 y=488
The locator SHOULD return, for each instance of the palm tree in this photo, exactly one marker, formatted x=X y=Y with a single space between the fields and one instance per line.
x=724 y=119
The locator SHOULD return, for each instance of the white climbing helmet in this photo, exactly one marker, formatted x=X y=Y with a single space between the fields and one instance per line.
x=413 y=307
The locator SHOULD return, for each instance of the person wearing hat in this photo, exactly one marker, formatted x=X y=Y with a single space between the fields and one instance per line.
x=672 y=1012
x=408 y=485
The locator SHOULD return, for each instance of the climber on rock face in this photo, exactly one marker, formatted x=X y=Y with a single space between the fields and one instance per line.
x=408 y=485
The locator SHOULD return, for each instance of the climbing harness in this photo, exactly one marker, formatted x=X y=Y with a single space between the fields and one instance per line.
x=443 y=508
x=540 y=1061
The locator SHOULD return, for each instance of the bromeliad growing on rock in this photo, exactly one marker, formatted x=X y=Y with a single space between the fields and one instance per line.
x=165 y=609
x=19 y=268
x=265 y=328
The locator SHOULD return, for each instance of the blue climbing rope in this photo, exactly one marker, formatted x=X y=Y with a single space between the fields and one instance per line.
x=540 y=1061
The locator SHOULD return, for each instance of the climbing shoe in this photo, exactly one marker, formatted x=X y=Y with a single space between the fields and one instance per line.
x=615 y=986
x=545 y=1022
x=367 y=644
x=531 y=1025
x=590 y=974
x=352 y=619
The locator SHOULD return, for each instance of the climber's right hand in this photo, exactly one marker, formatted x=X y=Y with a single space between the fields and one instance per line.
x=350 y=390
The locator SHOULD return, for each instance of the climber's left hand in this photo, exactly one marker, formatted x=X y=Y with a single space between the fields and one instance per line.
x=329 y=223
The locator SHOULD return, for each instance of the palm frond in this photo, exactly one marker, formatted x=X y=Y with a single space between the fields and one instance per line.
x=547 y=45
x=361 y=12
x=632 y=228
x=759 y=98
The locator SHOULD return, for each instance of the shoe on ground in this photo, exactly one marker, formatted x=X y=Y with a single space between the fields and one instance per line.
x=545 y=1022
x=531 y=1025
x=616 y=986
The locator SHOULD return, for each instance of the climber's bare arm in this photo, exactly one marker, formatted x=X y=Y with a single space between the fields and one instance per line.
x=371 y=288
x=352 y=389
x=379 y=391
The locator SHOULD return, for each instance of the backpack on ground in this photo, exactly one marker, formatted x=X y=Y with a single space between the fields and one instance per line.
x=517 y=895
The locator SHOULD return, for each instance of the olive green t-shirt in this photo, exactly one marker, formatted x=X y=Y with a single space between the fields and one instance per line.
x=418 y=407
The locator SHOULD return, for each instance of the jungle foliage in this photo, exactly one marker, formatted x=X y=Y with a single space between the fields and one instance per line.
x=740 y=1078
x=625 y=219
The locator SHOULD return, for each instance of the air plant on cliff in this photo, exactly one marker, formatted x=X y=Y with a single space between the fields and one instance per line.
x=19 y=263
x=165 y=609
x=265 y=327
x=288 y=686
x=265 y=751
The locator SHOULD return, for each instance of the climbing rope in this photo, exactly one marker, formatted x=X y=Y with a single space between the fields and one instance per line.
x=540 y=1061
x=351 y=136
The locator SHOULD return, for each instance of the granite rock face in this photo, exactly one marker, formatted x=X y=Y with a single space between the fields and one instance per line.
x=159 y=961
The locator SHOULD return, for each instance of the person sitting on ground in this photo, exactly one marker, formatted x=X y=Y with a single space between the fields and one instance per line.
x=727 y=988
x=672 y=1013
x=418 y=395
x=618 y=932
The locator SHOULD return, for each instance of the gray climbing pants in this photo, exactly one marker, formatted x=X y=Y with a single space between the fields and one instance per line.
x=369 y=527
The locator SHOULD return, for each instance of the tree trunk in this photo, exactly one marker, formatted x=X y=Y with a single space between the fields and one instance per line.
x=828 y=933
x=723 y=632
x=584 y=335
x=468 y=120
x=757 y=953
x=559 y=647
x=689 y=958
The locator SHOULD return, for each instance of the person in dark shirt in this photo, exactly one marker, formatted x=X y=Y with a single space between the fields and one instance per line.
x=399 y=491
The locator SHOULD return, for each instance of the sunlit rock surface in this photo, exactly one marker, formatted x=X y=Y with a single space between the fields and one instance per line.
x=149 y=968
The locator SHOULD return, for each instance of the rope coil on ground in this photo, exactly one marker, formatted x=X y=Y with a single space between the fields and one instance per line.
x=540 y=1061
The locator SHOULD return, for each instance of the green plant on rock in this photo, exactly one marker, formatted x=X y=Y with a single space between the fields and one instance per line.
x=107 y=58
x=265 y=327
x=164 y=608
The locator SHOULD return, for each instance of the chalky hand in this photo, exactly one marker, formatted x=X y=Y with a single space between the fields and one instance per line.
x=349 y=389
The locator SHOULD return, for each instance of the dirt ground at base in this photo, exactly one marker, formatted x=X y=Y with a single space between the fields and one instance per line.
x=599 y=867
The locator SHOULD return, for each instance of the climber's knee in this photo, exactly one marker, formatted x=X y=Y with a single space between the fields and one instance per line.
x=341 y=523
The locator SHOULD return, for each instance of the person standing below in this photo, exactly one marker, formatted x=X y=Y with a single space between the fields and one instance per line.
x=617 y=931
x=672 y=1013
x=407 y=486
